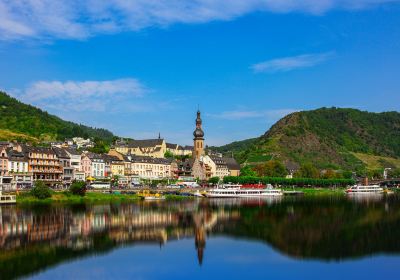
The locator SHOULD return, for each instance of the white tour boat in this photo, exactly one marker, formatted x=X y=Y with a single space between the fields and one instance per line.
x=357 y=189
x=239 y=191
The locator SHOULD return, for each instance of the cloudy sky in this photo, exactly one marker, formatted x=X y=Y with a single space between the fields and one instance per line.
x=143 y=67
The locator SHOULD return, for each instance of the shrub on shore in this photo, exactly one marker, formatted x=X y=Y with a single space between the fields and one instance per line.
x=40 y=190
x=78 y=188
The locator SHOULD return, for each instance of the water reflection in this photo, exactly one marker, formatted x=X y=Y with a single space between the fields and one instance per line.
x=33 y=239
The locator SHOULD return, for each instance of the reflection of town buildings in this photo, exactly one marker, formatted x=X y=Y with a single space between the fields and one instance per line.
x=123 y=224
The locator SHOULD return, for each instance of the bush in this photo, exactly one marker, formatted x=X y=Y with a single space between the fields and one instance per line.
x=78 y=188
x=213 y=180
x=41 y=191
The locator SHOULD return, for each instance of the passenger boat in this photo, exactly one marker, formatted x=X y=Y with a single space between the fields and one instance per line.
x=7 y=198
x=240 y=191
x=372 y=189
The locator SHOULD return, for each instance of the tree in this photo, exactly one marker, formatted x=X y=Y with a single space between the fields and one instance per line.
x=247 y=171
x=330 y=174
x=168 y=154
x=100 y=147
x=115 y=181
x=347 y=174
x=78 y=188
x=274 y=168
x=307 y=171
x=394 y=173
x=40 y=190
x=213 y=180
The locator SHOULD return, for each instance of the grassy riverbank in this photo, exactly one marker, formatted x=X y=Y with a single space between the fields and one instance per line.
x=318 y=191
x=67 y=197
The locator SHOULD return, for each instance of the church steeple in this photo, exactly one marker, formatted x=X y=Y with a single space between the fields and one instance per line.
x=198 y=138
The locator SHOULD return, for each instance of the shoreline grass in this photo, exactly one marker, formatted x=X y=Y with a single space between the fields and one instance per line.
x=317 y=191
x=68 y=198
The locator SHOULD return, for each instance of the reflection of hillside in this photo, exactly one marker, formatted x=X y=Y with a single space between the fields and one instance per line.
x=324 y=229
x=31 y=240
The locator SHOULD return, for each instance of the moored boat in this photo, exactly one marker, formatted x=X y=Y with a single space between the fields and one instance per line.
x=154 y=197
x=147 y=195
x=371 y=189
x=240 y=191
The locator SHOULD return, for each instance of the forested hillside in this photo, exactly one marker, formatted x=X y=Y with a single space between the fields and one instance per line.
x=24 y=122
x=328 y=138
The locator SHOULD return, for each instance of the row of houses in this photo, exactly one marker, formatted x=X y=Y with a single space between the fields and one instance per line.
x=21 y=165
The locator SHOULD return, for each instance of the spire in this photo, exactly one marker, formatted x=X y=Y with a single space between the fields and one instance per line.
x=198 y=133
x=159 y=135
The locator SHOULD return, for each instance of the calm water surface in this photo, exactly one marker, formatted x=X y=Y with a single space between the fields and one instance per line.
x=291 y=238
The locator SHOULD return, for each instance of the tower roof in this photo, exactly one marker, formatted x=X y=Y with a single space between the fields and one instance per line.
x=198 y=133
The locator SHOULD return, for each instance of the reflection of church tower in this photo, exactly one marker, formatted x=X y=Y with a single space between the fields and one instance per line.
x=199 y=220
x=200 y=243
x=198 y=138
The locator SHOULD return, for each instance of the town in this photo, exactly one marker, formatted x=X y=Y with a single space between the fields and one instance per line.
x=128 y=164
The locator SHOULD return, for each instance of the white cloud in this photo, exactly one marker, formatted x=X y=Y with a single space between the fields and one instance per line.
x=77 y=19
x=290 y=63
x=241 y=114
x=79 y=96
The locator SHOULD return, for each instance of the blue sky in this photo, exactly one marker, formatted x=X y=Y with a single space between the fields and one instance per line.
x=143 y=67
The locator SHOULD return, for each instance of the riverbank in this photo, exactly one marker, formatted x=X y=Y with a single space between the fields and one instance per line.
x=317 y=191
x=67 y=197
x=97 y=197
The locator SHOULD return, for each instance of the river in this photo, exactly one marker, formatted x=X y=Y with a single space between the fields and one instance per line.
x=327 y=237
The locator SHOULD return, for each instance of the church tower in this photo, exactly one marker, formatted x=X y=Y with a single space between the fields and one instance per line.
x=198 y=134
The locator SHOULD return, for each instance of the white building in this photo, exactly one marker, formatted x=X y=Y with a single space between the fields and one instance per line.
x=97 y=165
x=217 y=166
x=150 y=168
x=18 y=168
x=75 y=158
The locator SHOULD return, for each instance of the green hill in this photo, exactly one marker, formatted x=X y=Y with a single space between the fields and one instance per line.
x=328 y=138
x=19 y=121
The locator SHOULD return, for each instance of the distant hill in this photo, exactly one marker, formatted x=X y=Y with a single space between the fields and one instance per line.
x=19 y=121
x=328 y=138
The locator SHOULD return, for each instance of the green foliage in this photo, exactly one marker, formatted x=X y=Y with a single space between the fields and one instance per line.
x=168 y=154
x=272 y=168
x=347 y=174
x=247 y=171
x=78 y=188
x=394 y=173
x=300 y=182
x=100 y=146
x=19 y=117
x=307 y=171
x=40 y=190
x=213 y=180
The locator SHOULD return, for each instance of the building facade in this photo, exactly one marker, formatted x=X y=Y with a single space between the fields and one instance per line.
x=18 y=168
x=97 y=169
x=65 y=162
x=151 y=148
x=44 y=165
x=3 y=161
x=151 y=168
x=75 y=158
